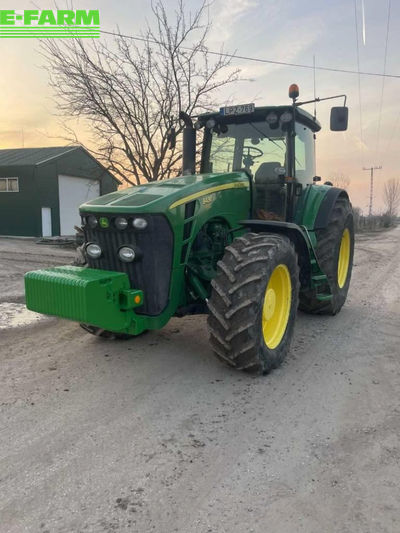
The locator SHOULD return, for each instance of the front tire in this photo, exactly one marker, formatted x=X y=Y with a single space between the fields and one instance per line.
x=253 y=304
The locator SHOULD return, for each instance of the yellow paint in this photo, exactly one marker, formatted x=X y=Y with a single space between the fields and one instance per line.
x=205 y=192
x=344 y=258
x=276 y=307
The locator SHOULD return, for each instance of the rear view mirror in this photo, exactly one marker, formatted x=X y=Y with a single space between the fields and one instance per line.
x=339 y=118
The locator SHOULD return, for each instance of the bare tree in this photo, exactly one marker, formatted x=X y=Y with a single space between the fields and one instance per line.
x=340 y=180
x=391 y=196
x=131 y=91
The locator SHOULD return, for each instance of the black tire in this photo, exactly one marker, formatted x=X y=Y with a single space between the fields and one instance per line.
x=327 y=250
x=237 y=298
x=105 y=334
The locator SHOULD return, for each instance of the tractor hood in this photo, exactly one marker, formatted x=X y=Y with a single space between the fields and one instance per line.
x=160 y=196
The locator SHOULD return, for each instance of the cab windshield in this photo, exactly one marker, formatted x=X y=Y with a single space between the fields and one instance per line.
x=253 y=146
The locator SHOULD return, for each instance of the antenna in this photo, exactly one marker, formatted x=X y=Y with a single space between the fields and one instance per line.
x=315 y=90
x=315 y=116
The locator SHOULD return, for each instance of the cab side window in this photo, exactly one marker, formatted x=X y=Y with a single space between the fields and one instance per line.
x=222 y=153
x=304 y=153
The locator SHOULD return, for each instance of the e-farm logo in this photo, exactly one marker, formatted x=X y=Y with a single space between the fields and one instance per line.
x=64 y=23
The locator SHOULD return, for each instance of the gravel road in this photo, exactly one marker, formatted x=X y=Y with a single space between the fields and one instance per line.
x=155 y=435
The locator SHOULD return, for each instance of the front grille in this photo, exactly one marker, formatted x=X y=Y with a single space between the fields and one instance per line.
x=152 y=272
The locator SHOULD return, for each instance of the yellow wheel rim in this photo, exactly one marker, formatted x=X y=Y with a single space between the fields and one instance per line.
x=276 y=308
x=344 y=258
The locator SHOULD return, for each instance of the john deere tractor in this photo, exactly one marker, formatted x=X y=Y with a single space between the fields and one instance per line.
x=248 y=239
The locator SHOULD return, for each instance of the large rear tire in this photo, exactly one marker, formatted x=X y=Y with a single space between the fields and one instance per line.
x=253 y=304
x=335 y=249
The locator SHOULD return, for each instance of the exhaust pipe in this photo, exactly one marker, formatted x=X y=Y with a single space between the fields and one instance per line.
x=189 y=145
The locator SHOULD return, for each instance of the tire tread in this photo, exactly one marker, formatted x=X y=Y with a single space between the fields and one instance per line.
x=237 y=293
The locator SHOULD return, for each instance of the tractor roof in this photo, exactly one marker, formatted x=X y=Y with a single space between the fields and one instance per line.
x=260 y=113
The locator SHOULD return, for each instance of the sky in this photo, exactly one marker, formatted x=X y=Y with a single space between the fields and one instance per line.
x=279 y=30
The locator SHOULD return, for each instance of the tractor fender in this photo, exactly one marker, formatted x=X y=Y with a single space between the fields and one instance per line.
x=294 y=232
x=326 y=207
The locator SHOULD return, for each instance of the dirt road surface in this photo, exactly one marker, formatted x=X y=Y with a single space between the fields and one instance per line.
x=155 y=435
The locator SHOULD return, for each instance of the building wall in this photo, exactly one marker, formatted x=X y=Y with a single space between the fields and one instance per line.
x=20 y=213
x=19 y=210
x=47 y=195
x=79 y=163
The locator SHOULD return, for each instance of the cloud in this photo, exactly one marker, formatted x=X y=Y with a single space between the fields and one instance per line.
x=285 y=48
x=225 y=15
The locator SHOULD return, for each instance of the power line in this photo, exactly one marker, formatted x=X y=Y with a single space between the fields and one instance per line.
x=383 y=80
x=257 y=59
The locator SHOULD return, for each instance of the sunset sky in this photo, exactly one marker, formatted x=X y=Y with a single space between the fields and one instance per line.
x=282 y=30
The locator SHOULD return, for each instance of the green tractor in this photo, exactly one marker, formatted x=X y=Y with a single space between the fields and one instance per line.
x=248 y=240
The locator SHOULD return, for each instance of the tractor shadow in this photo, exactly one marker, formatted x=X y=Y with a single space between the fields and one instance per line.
x=181 y=350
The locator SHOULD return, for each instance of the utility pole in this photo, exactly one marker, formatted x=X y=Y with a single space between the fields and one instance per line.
x=371 y=187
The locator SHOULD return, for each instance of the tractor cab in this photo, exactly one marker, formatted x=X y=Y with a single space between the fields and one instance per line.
x=273 y=145
x=275 y=148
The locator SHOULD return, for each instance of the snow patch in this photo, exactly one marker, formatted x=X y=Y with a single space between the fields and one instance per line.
x=14 y=315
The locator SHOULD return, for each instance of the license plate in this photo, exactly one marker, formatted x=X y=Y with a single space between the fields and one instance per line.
x=242 y=109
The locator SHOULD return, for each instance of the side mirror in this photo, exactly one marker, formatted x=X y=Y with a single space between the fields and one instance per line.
x=339 y=118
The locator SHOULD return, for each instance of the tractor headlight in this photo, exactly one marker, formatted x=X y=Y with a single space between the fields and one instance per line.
x=92 y=221
x=126 y=254
x=286 y=116
x=139 y=223
x=121 y=223
x=272 y=118
x=211 y=122
x=93 y=251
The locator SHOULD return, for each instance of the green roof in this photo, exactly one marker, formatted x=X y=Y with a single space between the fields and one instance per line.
x=33 y=156
x=15 y=157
